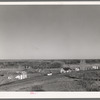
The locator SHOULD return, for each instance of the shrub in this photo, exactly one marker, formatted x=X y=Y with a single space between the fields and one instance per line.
x=55 y=65
x=37 y=88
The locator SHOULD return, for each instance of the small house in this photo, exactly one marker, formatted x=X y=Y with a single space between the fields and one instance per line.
x=95 y=67
x=10 y=77
x=38 y=70
x=49 y=74
x=19 y=75
x=77 y=69
x=65 y=70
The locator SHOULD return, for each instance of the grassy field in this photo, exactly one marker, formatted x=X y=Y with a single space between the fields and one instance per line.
x=83 y=80
x=69 y=83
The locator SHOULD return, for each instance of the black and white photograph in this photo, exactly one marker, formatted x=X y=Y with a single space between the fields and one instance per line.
x=50 y=48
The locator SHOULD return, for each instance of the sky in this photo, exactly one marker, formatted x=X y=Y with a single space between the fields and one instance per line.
x=49 y=32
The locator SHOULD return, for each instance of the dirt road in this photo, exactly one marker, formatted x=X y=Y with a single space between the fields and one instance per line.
x=39 y=80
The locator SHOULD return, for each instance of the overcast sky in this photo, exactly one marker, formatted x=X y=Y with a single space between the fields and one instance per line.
x=49 y=32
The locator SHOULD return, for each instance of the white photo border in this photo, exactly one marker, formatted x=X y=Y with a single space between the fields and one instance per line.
x=7 y=95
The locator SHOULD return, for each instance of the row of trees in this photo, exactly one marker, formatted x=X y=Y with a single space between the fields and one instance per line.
x=45 y=64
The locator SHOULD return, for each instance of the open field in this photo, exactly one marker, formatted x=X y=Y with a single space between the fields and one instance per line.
x=86 y=79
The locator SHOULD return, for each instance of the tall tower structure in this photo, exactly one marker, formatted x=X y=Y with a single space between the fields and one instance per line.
x=82 y=64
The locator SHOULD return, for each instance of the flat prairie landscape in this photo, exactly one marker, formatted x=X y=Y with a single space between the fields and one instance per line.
x=50 y=75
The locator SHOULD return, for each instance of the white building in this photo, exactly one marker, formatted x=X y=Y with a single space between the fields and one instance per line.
x=23 y=75
x=65 y=70
x=20 y=76
x=49 y=74
x=95 y=67
x=77 y=69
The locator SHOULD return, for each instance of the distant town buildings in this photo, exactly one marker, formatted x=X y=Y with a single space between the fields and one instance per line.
x=95 y=67
x=18 y=75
